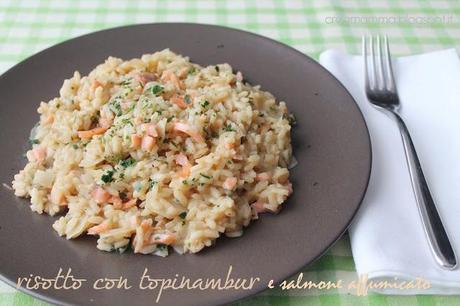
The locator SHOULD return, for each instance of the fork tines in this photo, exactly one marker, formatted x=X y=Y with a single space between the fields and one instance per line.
x=377 y=64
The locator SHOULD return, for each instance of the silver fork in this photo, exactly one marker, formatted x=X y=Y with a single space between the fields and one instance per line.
x=381 y=92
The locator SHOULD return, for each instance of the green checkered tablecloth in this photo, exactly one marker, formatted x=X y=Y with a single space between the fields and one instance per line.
x=27 y=27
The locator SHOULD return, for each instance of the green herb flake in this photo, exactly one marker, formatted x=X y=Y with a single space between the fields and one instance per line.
x=187 y=99
x=126 y=82
x=34 y=141
x=206 y=176
x=75 y=146
x=127 y=162
x=152 y=183
x=156 y=90
x=185 y=182
x=126 y=121
x=205 y=104
x=131 y=108
x=191 y=71
x=291 y=119
x=162 y=247
x=115 y=107
x=229 y=128
x=182 y=215
x=107 y=177
x=217 y=68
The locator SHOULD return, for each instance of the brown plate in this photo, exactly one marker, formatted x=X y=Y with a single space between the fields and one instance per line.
x=330 y=141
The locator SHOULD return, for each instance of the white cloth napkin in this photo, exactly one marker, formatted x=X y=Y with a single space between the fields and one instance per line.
x=387 y=237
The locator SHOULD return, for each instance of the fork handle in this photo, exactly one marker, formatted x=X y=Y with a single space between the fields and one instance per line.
x=434 y=229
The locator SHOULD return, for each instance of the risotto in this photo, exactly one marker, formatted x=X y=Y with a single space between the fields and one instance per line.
x=157 y=152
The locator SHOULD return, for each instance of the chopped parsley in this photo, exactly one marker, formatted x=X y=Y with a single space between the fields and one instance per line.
x=187 y=99
x=191 y=71
x=107 y=177
x=169 y=119
x=182 y=215
x=217 y=68
x=205 y=104
x=34 y=141
x=126 y=93
x=131 y=108
x=206 y=176
x=152 y=183
x=75 y=146
x=127 y=162
x=115 y=106
x=291 y=118
x=185 y=182
x=126 y=82
x=126 y=121
x=229 y=128
x=162 y=247
x=156 y=90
